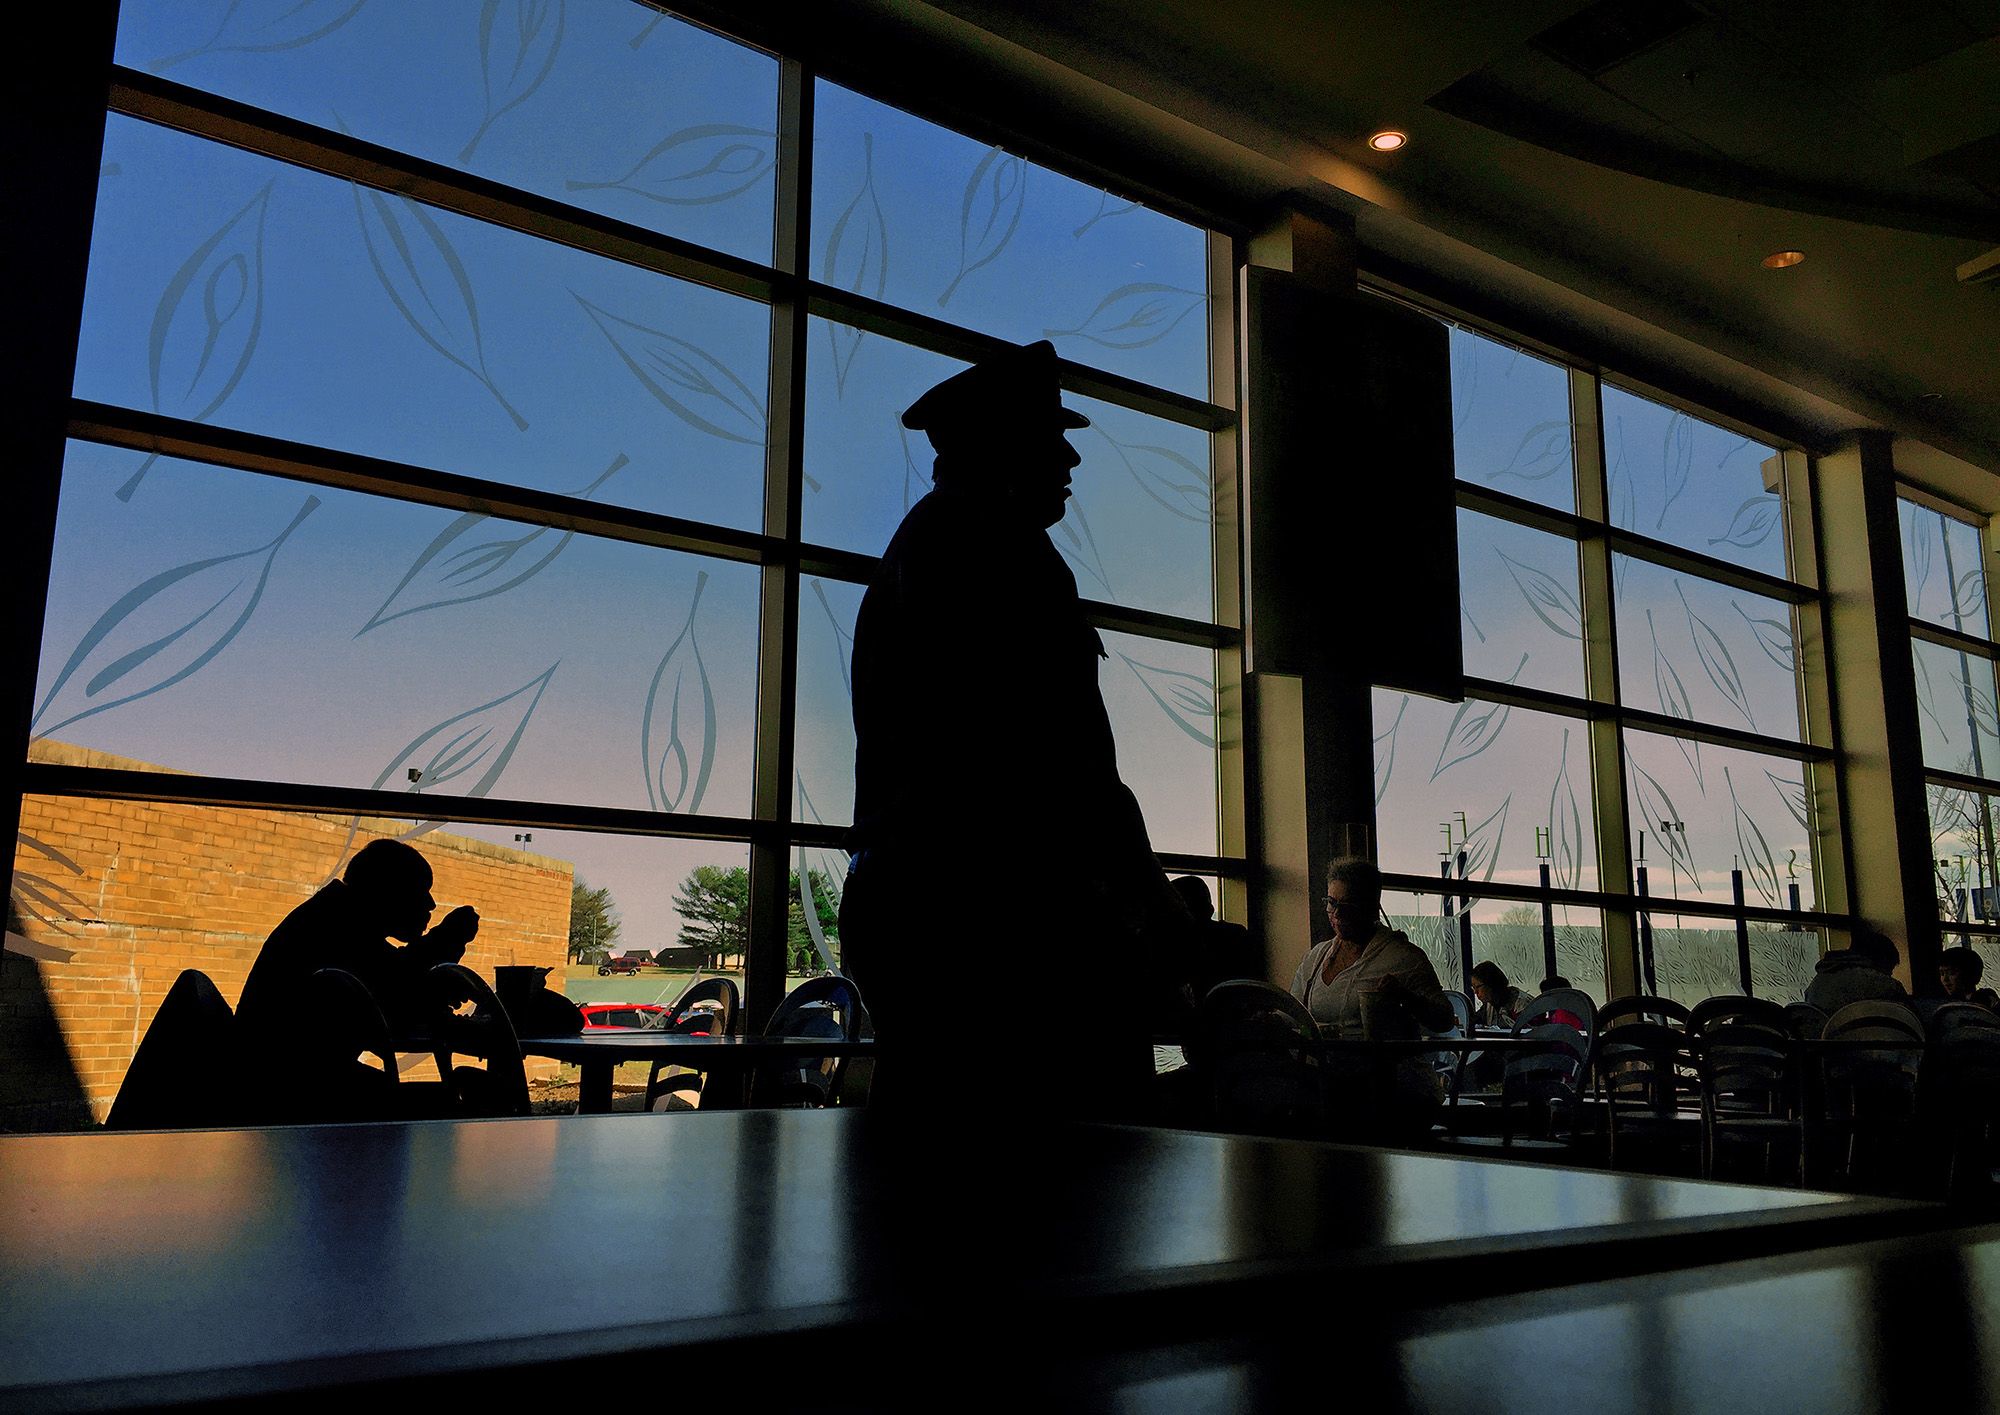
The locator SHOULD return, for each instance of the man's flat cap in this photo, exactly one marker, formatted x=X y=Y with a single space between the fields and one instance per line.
x=995 y=392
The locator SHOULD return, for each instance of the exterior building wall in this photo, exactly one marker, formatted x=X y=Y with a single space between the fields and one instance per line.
x=149 y=890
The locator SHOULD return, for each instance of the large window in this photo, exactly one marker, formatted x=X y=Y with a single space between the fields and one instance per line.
x=486 y=419
x=1953 y=649
x=1639 y=719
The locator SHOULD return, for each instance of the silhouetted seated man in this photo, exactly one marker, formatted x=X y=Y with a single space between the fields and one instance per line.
x=1219 y=950
x=980 y=733
x=384 y=894
x=1857 y=974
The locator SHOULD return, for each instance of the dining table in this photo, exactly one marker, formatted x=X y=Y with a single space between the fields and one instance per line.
x=726 y=1062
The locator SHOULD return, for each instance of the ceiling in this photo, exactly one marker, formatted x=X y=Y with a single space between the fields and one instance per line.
x=1621 y=168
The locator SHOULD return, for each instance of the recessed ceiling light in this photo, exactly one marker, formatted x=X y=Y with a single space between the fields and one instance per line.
x=1778 y=260
x=1388 y=140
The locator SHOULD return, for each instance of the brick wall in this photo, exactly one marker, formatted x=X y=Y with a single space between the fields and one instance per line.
x=160 y=888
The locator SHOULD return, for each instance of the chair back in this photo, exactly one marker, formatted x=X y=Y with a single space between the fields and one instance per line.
x=1883 y=1076
x=1749 y=1066
x=1450 y=1065
x=339 y=1021
x=180 y=1075
x=828 y=1007
x=502 y=1089
x=1646 y=1066
x=707 y=1005
x=1732 y=1008
x=1263 y=1075
x=1951 y=1018
x=1806 y=1020
x=1641 y=1007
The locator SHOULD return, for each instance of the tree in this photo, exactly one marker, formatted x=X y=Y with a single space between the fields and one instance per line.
x=593 y=918
x=1521 y=916
x=714 y=905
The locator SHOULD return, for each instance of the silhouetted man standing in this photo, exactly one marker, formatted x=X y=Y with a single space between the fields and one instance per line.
x=998 y=857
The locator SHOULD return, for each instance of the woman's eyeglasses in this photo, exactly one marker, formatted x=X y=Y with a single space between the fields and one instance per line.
x=1353 y=906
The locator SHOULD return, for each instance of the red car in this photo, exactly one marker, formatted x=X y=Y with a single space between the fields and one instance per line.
x=617 y=965
x=623 y=1014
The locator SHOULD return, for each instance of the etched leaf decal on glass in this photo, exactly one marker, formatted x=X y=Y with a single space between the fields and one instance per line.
x=1548 y=598
x=1656 y=806
x=697 y=166
x=1464 y=391
x=447 y=572
x=1188 y=699
x=1133 y=316
x=1716 y=660
x=421 y=272
x=1108 y=206
x=1385 y=750
x=38 y=896
x=856 y=259
x=1565 y=826
x=1542 y=452
x=1918 y=568
x=1753 y=850
x=206 y=324
x=1793 y=794
x=1175 y=481
x=671 y=777
x=988 y=213
x=161 y=631
x=1752 y=524
x=268 y=26
x=518 y=40
x=1673 y=698
x=1474 y=727
x=843 y=637
x=1482 y=842
x=1773 y=636
x=1624 y=507
x=688 y=381
x=1676 y=462
x=1079 y=545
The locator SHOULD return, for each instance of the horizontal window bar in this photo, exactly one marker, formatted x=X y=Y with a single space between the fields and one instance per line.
x=1629 y=543
x=169 y=788
x=1959 y=781
x=257 y=130
x=1620 y=903
x=349 y=471
x=1953 y=639
x=1541 y=700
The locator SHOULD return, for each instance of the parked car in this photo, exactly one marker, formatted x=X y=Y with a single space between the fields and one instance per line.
x=624 y=1014
x=617 y=965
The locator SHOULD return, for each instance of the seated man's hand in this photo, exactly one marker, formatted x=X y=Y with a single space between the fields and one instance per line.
x=454 y=931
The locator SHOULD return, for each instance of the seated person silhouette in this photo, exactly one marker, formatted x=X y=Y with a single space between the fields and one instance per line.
x=384 y=894
x=980 y=733
x=1220 y=950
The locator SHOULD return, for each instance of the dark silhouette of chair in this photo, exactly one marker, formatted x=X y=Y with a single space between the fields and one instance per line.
x=1450 y=1065
x=1642 y=1007
x=827 y=1007
x=1805 y=1020
x=181 y=1076
x=1962 y=1096
x=1546 y=1082
x=1950 y=1018
x=706 y=1007
x=1649 y=1077
x=339 y=1022
x=1870 y=1095
x=501 y=1088
x=1263 y=1075
x=1750 y=1081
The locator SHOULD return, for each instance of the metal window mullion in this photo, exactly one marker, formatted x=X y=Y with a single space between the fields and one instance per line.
x=1226 y=582
x=1600 y=652
x=774 y=768
x=1430 y=886
x=1952 y=639
x=1813 y=674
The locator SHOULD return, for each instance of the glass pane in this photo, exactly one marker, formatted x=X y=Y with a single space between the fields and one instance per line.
x=602 y=103
x=1955 y=709
x=116 y=898
x=1135 y=529
x=1964 y=828
x=239 y=625
x=1704 y=652
x=1161 y=698
x=230 y=289
x=823 y=728
x=1696 y=957
x=1503 y=932
x=1510 y=421
x=1523 y=615
x=1944 y=574
x=1678 y=479
x=1507 y=810
x=919 y=216
x=1700 y=812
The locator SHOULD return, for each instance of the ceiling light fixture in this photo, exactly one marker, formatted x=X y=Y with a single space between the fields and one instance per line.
x=1388 y=140
x=1778 y=260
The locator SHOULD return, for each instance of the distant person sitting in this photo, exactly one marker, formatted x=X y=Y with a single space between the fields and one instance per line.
x=385 y=893
x=1959 y=972
x=1221 y=950
x=1857 y=974
x=1500 y=1002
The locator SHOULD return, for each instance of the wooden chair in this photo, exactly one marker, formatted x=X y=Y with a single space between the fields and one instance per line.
x=1649 y=1077
x=1750 y=1082
x=707 y=1006
x=828 y=1007
x=1870 y=1096
x=1805 y=1020
x=1642 y=1007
